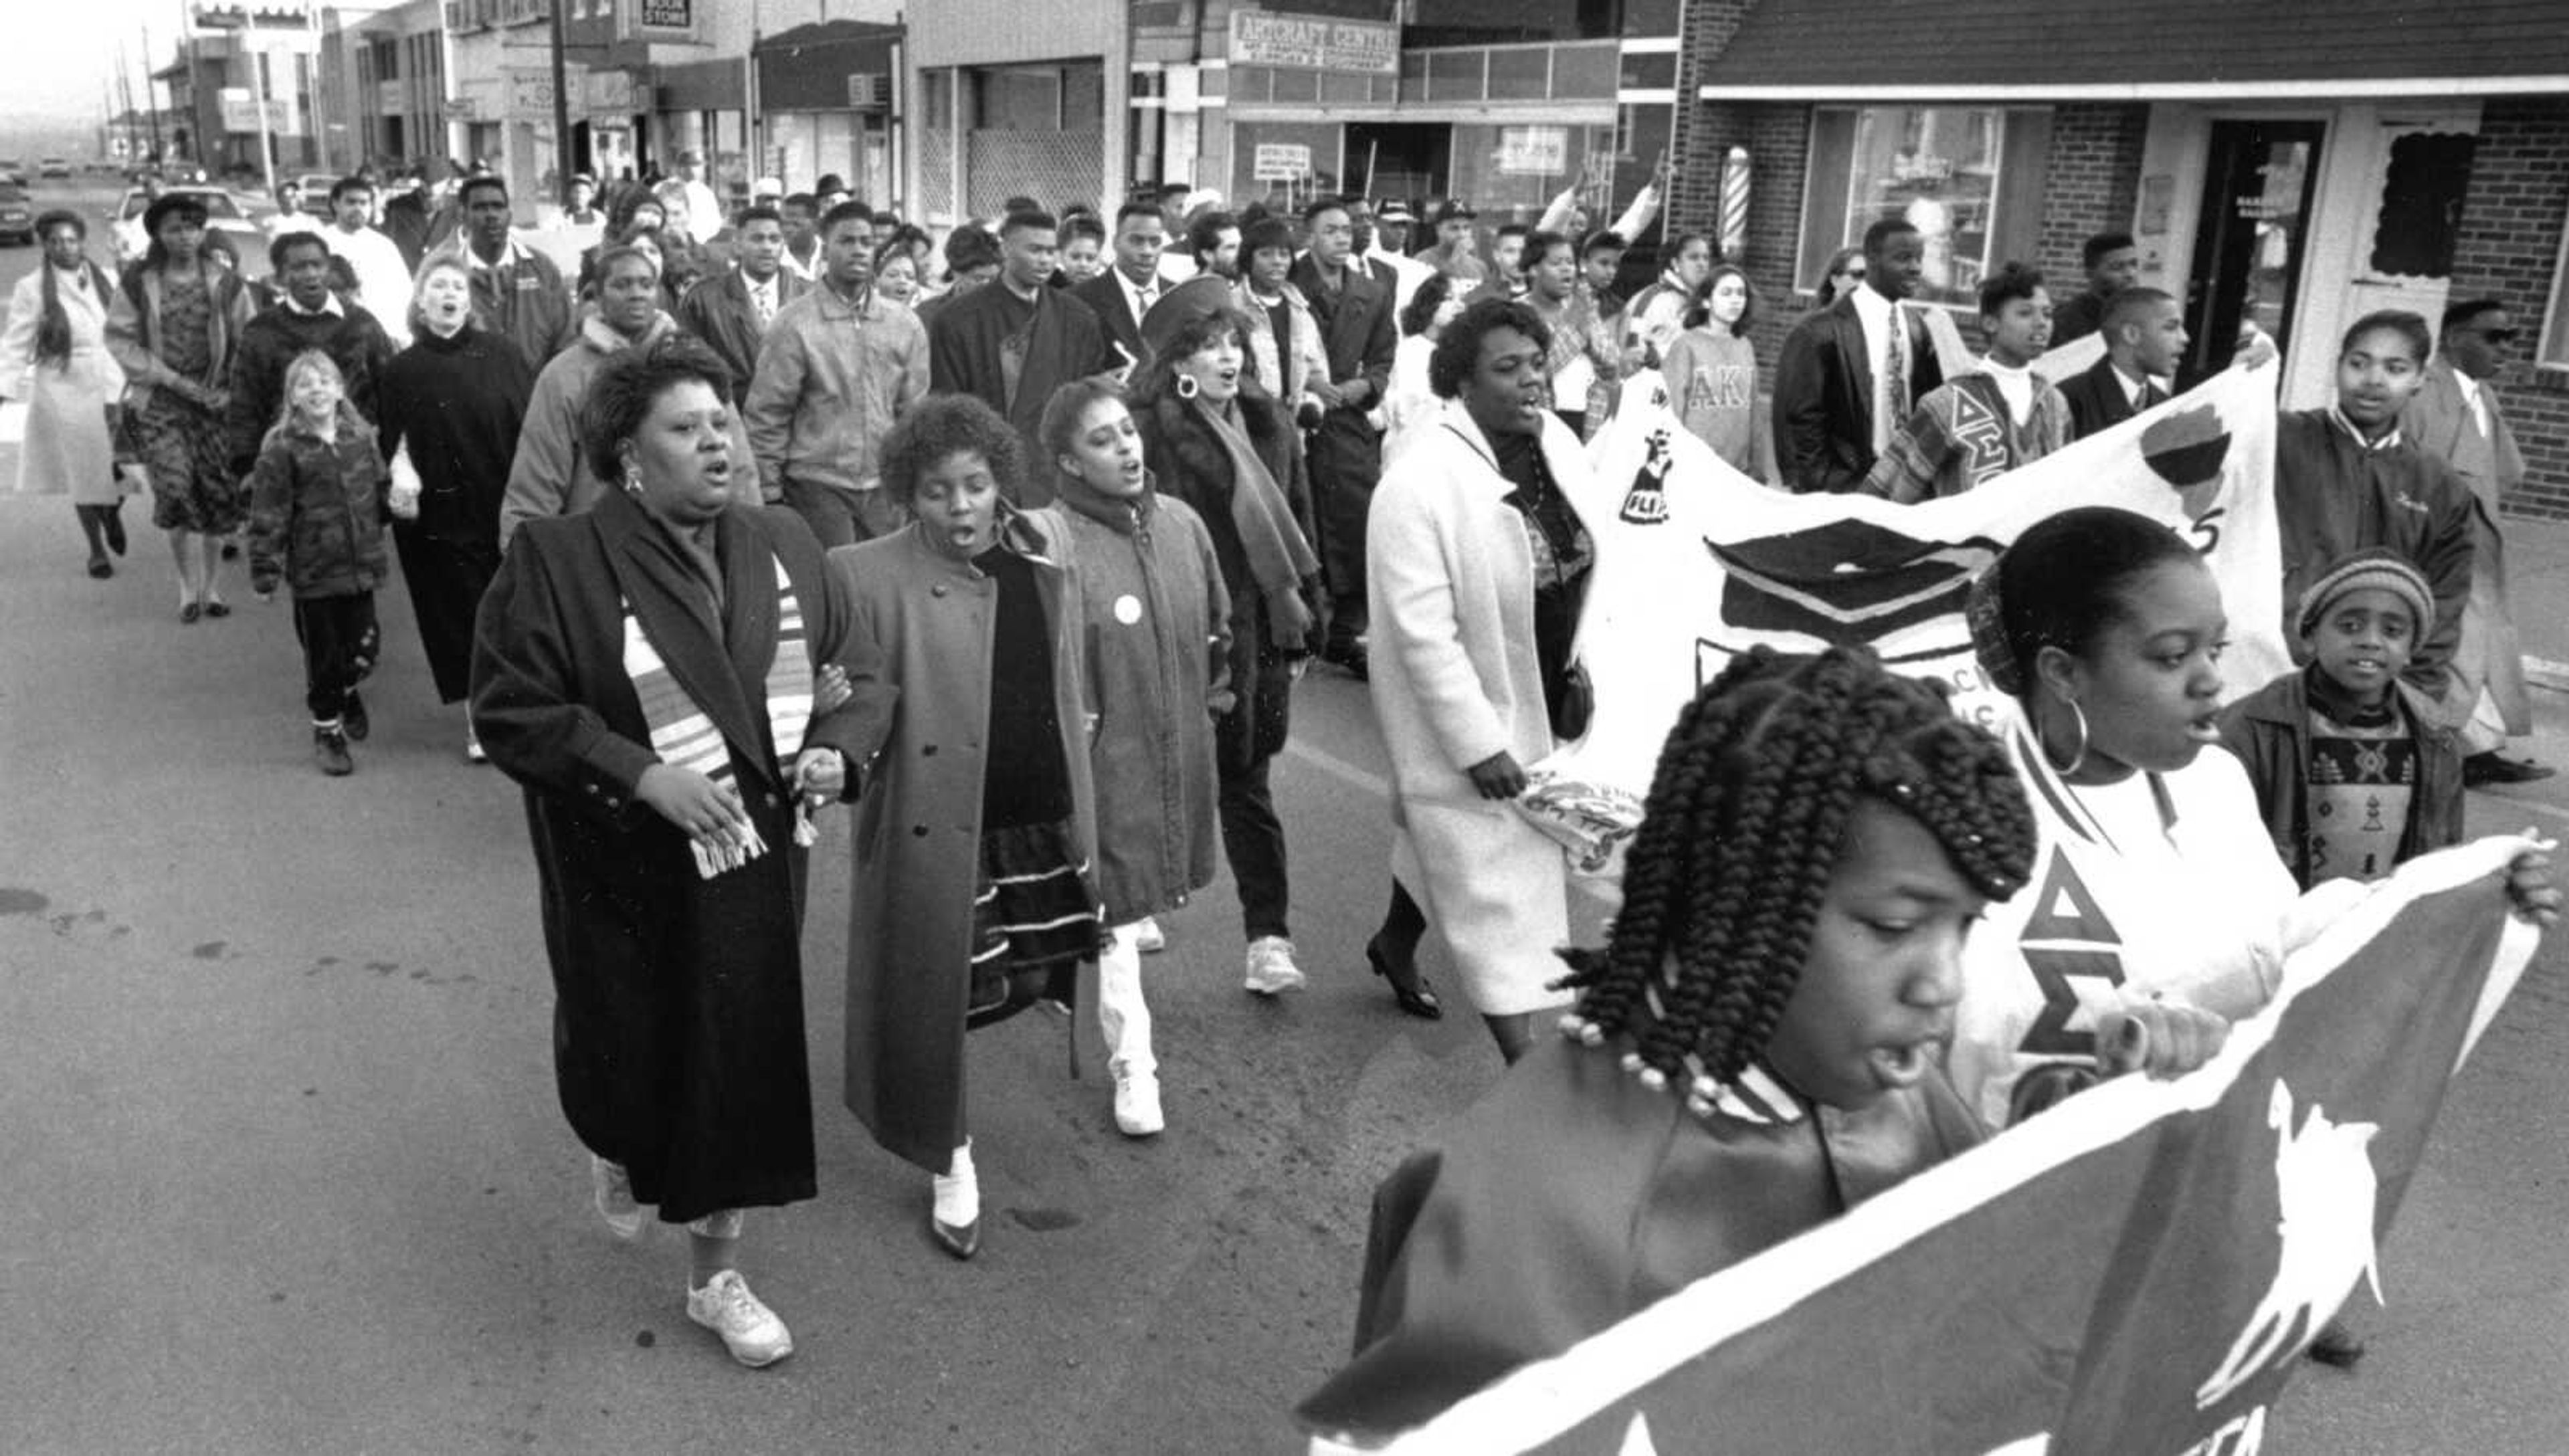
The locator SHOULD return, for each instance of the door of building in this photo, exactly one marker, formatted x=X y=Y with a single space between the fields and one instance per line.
x=2257 y=188
x=1409 y=160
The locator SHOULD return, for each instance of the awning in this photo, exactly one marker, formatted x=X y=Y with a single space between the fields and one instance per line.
x=2139 y=50
x=809 y=68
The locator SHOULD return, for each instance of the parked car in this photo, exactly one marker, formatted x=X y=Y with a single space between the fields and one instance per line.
x=17 y=215
x=52 y=167
x=316 y=193
x=13 y=173
x=226 y=217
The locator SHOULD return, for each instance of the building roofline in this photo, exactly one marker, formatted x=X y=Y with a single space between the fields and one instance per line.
x=2332 y=87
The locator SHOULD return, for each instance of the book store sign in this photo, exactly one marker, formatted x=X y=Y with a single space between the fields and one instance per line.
x=1313 y=43
x=666 y=17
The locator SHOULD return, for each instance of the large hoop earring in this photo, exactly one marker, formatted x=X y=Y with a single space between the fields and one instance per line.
x=2078 y=715
x=1187 y=387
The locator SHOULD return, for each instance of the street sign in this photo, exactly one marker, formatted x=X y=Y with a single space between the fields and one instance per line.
x=1282 y=160
x=1313 y=41
x=1533 y=150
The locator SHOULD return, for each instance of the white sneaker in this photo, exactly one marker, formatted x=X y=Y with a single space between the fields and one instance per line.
x=1148 y=938
x=1137 y=1104
x=1272 y=970
x=749 y=1329
x=615 y=1198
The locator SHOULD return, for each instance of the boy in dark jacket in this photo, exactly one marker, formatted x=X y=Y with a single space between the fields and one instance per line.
x=2355 y=771
x=318 y=499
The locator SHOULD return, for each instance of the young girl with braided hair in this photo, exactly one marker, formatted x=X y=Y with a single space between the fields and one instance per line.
x=1820 y=836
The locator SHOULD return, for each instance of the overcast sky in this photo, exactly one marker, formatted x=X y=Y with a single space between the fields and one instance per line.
x=59 y=54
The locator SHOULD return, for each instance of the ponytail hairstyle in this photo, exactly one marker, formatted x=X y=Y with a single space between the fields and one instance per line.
x=1747 y=814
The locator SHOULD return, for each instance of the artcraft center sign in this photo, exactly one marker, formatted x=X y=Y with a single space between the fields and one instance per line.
x=1313 y=43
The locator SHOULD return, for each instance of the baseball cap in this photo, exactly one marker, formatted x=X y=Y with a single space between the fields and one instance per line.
x=1451 y=213
x=1393 y=211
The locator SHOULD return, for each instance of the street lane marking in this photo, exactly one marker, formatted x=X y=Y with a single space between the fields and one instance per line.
x=1338 y=768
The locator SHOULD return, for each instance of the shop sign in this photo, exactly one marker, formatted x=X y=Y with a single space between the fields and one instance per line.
x=666 y=17
x=1920 y=166
x=531 y=95
x=610 y=92
x=457 y=108
x=1313 y=43
x=239 y=115
x=1282 y=160
x=1533 y=150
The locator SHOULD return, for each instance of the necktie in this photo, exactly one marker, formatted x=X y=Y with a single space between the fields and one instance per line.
x=1894 y=369
x=1143 y=297
x=764 y=298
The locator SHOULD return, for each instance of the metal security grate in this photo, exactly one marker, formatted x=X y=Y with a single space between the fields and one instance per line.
x=1053 y=168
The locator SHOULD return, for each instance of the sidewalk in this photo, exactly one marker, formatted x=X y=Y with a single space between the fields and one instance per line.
x=2538 y=587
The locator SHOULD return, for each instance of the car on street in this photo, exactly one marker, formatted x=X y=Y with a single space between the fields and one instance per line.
x=13 y=173
x=52 y=167
x=17 y=215
x=226 y=217
x=316 y=191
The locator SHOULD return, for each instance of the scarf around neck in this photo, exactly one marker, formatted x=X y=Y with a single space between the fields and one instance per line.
x=1279 y=556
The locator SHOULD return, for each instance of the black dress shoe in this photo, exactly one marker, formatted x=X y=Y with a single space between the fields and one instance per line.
x=1409 y=988
x=217 y=609
x=2337 y=1345
x=1348 y=658
x=100 y=567
x=2488 y=768
x=187 y=614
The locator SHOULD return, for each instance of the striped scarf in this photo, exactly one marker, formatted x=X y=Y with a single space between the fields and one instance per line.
x=685 y=738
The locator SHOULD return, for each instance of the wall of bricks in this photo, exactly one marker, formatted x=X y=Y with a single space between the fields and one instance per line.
x=2088 y=185
x=1778 y=138
x=2508 y=248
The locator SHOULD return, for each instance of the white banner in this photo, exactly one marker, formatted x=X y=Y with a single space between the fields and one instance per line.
x=1696 y=563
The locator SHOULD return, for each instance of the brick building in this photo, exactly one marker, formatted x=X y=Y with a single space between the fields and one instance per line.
x=2296 y=164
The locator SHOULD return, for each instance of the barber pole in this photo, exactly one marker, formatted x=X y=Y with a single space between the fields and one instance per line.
x=1735 y=202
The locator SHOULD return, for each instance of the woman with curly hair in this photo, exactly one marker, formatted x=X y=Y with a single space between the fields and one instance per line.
x=1754 y=1049
x=1219 y=442
x=974 y=889
x=647 y=673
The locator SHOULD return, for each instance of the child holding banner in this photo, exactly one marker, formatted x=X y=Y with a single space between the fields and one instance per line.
x=1754 y=1050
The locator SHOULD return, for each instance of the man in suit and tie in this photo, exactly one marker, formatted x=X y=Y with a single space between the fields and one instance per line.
x=2456 y=416
x=1122 y=294
x=1849 y=374
x=1354 y=317
x=731 y=312
x=2145 y=338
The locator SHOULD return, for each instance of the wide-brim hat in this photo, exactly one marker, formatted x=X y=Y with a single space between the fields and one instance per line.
x=167 y=203
x=1199 y=297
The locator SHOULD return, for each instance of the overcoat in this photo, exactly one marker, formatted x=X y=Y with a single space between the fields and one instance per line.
x=918 y=662
x=1190 y=465
x=2490 y=655
x=66 y=446
x=678 y=1013
x=1455 y=681
x=1157 y=647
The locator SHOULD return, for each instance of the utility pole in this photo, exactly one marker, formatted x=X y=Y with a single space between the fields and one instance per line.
x=563 y=167
x=150 y=104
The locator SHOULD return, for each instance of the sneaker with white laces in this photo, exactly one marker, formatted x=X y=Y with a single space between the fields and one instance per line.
x=1148 y=938
x=1272 y=970
x=1137 y=1104
x=749 y=1329
x=615 y=1198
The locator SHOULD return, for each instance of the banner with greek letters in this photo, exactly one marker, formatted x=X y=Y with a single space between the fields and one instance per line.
x=2134 y=1272
x=1696 y=563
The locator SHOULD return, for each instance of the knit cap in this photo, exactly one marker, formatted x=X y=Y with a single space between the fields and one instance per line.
x=2377 y=568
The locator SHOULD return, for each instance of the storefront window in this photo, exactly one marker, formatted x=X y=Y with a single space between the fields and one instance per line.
x=1970 y=179
x=1518 y=169
x=1283 y=163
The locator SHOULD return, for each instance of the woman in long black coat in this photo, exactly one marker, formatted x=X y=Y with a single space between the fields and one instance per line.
x=646 y=671
x=1216 y=441
x=456 y=397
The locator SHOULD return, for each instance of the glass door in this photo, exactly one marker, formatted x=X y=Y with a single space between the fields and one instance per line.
x=2257 y=191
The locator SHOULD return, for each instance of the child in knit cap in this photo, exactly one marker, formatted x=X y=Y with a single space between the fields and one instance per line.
x=2354 y=772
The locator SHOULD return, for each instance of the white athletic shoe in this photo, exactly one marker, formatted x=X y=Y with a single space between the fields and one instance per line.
x=615 y=1198
x=1148 y=938
x=1272 y=970
x=1137 y=1104
x=749 y=1329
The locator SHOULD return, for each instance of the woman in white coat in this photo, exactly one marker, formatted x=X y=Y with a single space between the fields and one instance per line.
x=54 y=355
x=1476 y=559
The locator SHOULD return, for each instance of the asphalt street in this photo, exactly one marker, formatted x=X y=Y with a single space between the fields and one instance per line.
x=281 y=1167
